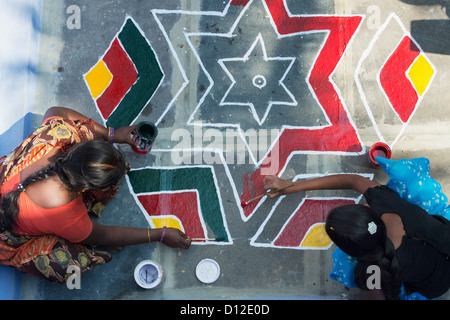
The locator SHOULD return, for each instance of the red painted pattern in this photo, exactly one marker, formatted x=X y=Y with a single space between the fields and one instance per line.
x=124 y=77
x=242 y=3
x=182 y=205
x=312 y=211
x=340 y=135
x=401 y=93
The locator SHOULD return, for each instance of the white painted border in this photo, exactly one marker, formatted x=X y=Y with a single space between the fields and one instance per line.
x=229 y=34
x=187 y=190
x=380 y=31
x=116 y=36
x=269 y=216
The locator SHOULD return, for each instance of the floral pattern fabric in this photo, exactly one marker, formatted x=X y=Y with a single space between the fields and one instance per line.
x=53 y=266
x=48 y=256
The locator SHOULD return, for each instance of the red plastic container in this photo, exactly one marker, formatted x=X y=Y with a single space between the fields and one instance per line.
x=379 y=149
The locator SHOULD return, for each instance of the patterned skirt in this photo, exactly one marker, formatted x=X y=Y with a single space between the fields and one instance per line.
x=49 y=256
x=54 y=266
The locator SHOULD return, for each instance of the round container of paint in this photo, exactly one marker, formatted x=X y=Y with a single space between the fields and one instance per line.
x=378 y=149
x=207 y=271
x=149 y=275
x=144 y=135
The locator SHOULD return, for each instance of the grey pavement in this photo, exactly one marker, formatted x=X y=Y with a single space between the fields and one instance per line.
x=232 y=73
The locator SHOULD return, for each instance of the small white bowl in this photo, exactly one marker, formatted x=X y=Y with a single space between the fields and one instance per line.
x=207 y=271
x=148 y=274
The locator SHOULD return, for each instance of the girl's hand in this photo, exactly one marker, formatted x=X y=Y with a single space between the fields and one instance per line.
x=175 y=238
x=272 y=183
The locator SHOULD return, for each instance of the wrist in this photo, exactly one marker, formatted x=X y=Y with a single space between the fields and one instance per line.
x=154 y=235
x=163 y=234
x=110 y=136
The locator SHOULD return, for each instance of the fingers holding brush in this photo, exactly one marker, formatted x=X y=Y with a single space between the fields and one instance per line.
x=272 y=194
x=274 y=186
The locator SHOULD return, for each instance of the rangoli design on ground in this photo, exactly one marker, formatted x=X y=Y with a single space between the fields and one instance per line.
x=286 y=69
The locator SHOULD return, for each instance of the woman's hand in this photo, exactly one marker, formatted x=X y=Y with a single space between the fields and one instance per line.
x=123 y=135
x=175 y=238
x=272 y=183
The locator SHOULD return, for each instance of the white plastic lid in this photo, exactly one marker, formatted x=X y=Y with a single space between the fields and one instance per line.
x=207 y=271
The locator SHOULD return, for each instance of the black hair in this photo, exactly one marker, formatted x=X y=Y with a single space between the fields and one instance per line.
x=359 y=231
x=92 y=164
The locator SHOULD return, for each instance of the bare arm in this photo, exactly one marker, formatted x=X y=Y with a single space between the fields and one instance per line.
x=121 y=135
x=124 y=236
x=331 y=182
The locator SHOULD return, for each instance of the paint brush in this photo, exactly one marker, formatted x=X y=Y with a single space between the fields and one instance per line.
x=208 y=239
x=246 y=203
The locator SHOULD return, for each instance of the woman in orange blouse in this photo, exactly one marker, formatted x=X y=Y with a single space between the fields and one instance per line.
x=63 y=171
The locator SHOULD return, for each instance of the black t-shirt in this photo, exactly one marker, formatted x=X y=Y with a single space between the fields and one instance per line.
x=424 y=251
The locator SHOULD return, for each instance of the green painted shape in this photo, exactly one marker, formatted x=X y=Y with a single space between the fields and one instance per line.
x=149 y=76
x=199 y=178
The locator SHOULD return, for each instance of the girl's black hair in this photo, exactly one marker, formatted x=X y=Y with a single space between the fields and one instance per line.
x=93 y=165
x=359 y=231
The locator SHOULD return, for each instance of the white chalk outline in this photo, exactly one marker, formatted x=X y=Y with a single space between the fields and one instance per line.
x=269 y=216
x=116 y=36
x=211 y=167
x=365 y=54
x=150 y=217
x=222 y=14
x=185 y=83
x=256 y=84
x=260 y=39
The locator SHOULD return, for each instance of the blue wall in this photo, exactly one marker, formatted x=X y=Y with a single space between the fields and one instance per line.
x=20 y=26
x=11 y=278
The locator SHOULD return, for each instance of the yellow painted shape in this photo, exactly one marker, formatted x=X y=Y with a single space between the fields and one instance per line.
x=98 y=79
x=316 y=237
x=166 y=221
x=420 y=74
x=60 y=132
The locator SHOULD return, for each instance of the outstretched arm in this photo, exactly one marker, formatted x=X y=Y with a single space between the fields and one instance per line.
x=331 y=182
x=123 y=236
x=121 y=135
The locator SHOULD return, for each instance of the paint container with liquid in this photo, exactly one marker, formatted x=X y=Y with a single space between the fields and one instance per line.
x=149 y=275
x=207 y=271
x=378 y=149
x=144 y=135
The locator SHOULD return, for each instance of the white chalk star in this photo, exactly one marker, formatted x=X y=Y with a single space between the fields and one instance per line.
x=256 y=81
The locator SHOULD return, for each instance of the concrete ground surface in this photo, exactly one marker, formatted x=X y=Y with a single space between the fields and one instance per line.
x=239 y=89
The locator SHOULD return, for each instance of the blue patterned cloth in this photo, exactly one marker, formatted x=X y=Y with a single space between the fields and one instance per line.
x=411 y=179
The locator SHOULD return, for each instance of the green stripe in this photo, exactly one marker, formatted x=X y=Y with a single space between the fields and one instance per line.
x=195 y=178
x=149 y=76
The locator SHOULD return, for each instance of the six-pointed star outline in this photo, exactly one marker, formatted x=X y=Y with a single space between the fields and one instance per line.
x=266 y=90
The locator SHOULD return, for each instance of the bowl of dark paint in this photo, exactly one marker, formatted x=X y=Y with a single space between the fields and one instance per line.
x=144 y=136
x=379 y=149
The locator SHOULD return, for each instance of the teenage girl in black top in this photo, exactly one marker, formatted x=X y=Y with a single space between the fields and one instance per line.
x=407 y=243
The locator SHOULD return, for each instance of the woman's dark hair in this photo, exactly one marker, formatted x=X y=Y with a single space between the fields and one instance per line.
x=359 y=231
x=93 y=165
